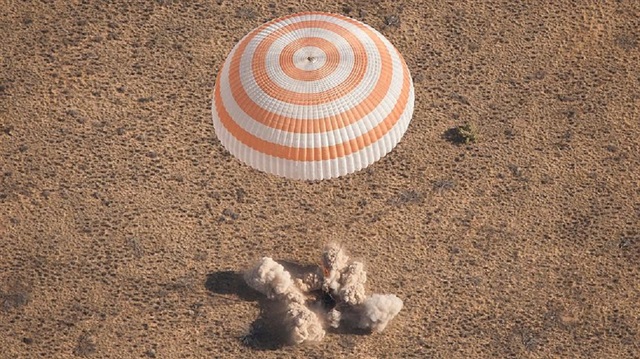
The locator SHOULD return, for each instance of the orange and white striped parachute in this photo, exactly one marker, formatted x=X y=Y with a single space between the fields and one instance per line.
x=312 y=96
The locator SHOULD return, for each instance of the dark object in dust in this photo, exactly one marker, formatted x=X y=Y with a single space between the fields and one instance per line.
x=327 y=300
x=463 y=134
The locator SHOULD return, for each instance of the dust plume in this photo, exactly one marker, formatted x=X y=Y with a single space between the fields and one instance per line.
x=378 y=310
x=271 y=279
x=318 y=298
x=344 y=280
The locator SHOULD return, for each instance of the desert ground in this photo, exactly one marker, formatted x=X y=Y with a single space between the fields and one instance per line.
x=125 y=225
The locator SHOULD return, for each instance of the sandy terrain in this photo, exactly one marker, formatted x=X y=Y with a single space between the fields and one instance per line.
x=123 y=221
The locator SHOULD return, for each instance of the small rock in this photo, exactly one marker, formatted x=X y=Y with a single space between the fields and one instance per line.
x=7 y=130
x=229 y=213
x=392 y=20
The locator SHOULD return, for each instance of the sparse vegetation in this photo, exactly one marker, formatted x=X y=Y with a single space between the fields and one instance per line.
x=463 y=134
x=442 y=185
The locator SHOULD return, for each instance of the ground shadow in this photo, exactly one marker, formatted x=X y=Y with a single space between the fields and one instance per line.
x=267 y=331
x=349 y=330
x=231 y=283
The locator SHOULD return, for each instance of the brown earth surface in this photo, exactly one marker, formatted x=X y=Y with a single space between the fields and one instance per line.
x=124 y=222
